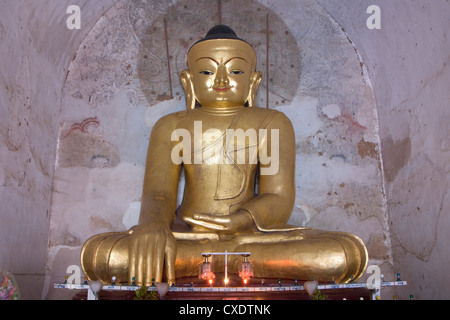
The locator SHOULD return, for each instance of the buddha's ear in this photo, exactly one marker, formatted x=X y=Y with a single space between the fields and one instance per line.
x=255 y=80
x=186 y=81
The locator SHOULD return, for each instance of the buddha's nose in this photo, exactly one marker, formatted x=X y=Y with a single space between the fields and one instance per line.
x=221 y=77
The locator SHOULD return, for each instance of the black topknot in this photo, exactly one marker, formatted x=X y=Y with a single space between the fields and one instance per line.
x=220 y=31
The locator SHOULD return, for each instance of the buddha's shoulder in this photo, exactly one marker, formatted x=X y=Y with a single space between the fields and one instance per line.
x=262 y=111
x=266 y=114
x=168 y=122
x=267 y=118
x=172 y=118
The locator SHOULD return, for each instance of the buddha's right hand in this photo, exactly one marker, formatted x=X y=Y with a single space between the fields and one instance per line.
x=152 y=247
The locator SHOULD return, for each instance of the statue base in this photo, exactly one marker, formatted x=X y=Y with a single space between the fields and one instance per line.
x=255 y=289
x=335 y=294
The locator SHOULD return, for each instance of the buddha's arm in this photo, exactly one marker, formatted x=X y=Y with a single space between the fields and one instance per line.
x=152 y=244
x=272 y=207
x=159 y=194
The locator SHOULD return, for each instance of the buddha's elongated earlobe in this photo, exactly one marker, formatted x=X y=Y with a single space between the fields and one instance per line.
x=186 y=81
x=255 y=80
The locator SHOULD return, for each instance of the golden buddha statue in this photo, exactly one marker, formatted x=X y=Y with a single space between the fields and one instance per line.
x=237 y=198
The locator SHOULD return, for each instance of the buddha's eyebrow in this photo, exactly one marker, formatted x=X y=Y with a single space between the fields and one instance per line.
x=235 y=58
x=207 y=58
x=216 y=62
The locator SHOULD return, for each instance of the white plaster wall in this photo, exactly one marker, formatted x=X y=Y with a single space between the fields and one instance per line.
x=29 y=110
x=407 y=61
x=35 y=49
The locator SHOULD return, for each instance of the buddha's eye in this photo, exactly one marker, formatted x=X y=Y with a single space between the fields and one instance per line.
x=236 y=72
x=208 y=73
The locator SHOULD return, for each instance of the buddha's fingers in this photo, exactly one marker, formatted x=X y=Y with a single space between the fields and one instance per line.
x=139 y=261
x=132 y=262
x=207 y=225
x=211 y=218
x=158 y=262
x=149 y=259
x=170 y=255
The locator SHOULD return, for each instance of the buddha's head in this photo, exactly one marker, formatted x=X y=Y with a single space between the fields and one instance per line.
x=221 y=71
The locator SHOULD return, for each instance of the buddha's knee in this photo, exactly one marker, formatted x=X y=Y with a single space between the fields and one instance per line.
x=333 y=256
x=106 y=255
x=356 y=256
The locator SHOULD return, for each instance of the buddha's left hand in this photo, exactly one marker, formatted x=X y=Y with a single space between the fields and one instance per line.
x=238 y=222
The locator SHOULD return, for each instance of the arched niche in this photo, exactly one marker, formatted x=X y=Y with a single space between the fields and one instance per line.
x=125 y=77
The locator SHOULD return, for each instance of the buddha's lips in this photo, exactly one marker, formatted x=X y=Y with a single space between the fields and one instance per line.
x=222 y=89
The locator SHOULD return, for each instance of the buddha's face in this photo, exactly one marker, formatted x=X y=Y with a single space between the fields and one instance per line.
x=222 y=72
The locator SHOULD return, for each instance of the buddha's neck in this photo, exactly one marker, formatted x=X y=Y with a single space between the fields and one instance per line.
x=225 y=111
